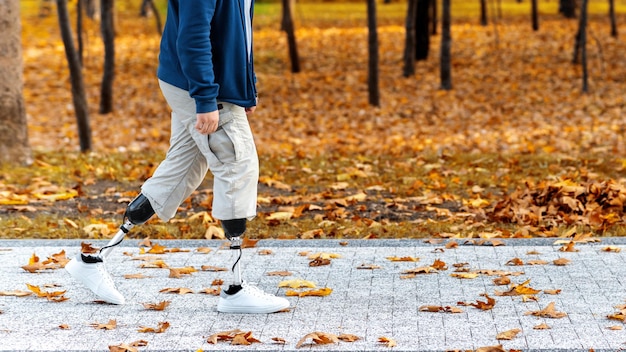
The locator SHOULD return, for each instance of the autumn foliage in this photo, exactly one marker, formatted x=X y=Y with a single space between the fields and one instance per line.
x=514 y=150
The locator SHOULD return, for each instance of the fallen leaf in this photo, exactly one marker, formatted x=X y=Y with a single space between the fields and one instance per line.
x=569 y=247
x=279 y=273
x=502 y=280
x=319 y=292
x=319 y=338
x=489 y=304
x=159 y=329
x=368 y=266
x=561 y=261
x=212 y=268
x=211 y=291
x=16 y=293
x=112 y=324
x=135 y=276
x=279 y=340
x=542 y=326
x=122 y=348
x=177 y=273
x=178 y=290
x=388 y=342
x=548 y=312
x=508 y=335
x=297 y=283
x=612 y=249
x=348 y=337
x=403 y=259
x=156 y=306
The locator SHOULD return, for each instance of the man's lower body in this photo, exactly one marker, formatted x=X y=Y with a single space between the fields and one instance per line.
x=230 y=154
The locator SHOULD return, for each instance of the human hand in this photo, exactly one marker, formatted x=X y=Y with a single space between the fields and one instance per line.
x=207 y=122
x=250 y=110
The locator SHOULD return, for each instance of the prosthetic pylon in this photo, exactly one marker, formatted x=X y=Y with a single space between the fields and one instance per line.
x=234 y=230
x=138 y=212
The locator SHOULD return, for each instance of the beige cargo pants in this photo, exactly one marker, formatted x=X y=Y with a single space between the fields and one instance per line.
x=229 y=153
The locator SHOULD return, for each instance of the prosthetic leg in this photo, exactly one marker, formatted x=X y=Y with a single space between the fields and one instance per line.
x=234 y=230
x=90 y=270
x=242 y=297
x=137 y=213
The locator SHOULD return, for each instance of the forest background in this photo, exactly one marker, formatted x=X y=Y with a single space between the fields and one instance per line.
x=515 y=149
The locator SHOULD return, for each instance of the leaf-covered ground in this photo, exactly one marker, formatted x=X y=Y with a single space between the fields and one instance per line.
x=515 y=149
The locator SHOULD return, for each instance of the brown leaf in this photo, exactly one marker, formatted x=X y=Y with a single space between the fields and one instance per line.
x=279 y=340
x=497 y=348
x=177 y=273
x=112 y=324
x=212 y=268
x=178 y=290
x=279 y=273
x=159 y=329
x=122 y=348
x=135 y=276
x=320 y=338
x=515 y=261
x=548 y=312
x=403 y=259
x=157 y=306
x=489 y=304
x=86 y=248
x=508 y=335
x=502 y=280
x=319 y=292
x=569 y=247
x=542 y=326
x=348 y=337
x=368 y=266
x=561 y=261
x=211 y=291
x=388 y=342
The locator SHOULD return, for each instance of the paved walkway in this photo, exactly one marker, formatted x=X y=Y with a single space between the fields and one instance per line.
x=370 y=297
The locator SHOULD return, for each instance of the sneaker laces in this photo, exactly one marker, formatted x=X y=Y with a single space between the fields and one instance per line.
x=105 y=274
x=255 y=291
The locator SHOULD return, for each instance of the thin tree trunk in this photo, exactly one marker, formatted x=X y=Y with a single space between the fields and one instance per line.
x=433 y=16
x=409 y=45
x=583 y=43
x=483 y=12
x=534 y=15
x=612 y=16
x=14 y=145
x=422 y=35
x=79 y=29
x=108 y=72
x=288 y=27
x=446 y=43
x=372 y=39
x=79 y=97
x=157 y=17
x=567 y=8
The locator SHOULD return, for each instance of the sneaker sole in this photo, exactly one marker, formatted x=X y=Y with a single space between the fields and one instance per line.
x=252 y=310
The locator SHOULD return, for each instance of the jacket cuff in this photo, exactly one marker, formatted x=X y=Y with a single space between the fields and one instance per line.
x=206 y=106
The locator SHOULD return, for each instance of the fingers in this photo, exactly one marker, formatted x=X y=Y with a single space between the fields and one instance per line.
x=207 y=123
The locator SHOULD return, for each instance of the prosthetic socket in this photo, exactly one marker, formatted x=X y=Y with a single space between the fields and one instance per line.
x=138 y=212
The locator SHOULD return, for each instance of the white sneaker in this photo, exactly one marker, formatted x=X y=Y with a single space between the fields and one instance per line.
x=250 y=299
x=96 y=278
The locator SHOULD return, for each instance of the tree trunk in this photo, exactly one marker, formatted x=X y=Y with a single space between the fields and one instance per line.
x=148 y=6
x=108 y=72
x=14 y=146
x=79 y=29
x=567 y=8
x=288 y=27
x=422 y=35
x=446 y=43
x=372 y=40
x=409 y=45
x=483 y=12
x=583 y=43
x=433 y=17
x=534 y=15
x=612 y=16
x=79 y=97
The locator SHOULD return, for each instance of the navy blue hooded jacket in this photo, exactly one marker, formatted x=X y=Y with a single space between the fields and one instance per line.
x=204 y=51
